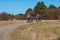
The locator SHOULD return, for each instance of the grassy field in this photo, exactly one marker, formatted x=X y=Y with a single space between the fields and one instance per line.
x=45 y=30
x=2 y=23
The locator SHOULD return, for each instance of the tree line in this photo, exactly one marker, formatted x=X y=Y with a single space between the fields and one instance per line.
x=47 y=13
x=9 y=16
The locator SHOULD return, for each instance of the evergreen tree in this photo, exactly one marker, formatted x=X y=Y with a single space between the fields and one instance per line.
x=59 y=7
x=28 y=10
x=52 y=6
x=39 y=8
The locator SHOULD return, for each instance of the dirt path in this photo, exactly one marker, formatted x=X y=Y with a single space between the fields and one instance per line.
x=5 y=29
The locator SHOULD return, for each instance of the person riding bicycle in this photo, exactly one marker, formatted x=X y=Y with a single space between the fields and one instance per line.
x=38 y=18
x=28 y=17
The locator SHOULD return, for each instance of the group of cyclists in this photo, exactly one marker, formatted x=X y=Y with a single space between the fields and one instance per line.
x=30 y=18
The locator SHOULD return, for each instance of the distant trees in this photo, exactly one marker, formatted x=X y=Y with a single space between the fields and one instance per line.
x=39 y=8
x=28 y=10
x=52 y=6
x=11 y=16
x=3 y=16
x=51 y=12
x=6 y=16
x=20 y=16
x=59 y=7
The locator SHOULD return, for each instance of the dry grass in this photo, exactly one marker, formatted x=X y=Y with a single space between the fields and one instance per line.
x=46 y=30
x=10 y=22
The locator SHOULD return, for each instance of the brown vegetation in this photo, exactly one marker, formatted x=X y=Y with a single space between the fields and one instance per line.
x=2 y=23
x=46 y=30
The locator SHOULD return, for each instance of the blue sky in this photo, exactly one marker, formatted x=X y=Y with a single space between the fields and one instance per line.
x=20 y=6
